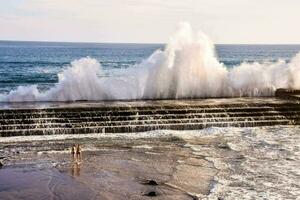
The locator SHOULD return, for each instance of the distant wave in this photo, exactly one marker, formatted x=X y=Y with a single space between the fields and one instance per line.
x=186 y=68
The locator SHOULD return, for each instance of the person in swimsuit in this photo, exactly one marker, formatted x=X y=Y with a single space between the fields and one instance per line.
x=73 y=150
x=78 y=153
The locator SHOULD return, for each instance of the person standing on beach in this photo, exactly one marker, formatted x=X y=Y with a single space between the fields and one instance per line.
x=78 y=153
x=73 y=150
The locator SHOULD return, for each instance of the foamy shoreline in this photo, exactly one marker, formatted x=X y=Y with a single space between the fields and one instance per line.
x=256 y=162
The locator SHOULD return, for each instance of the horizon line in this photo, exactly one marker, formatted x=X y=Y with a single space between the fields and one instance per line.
x=143 y=43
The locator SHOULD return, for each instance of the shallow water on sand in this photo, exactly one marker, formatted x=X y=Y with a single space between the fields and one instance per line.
x=225 y=163
x=32 y=182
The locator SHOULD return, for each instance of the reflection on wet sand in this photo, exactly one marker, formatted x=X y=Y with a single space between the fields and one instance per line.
x=75 y=167
x=39 y=181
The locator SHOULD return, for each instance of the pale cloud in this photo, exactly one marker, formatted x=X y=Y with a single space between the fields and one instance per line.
x=226 y=21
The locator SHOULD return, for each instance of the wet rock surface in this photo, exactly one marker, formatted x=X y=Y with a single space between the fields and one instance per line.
x=151 y=194
x=150 y=182
x=2 y=161
x=140 y=116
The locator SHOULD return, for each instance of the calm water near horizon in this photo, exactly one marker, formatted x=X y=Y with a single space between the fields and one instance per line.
x=27 y=63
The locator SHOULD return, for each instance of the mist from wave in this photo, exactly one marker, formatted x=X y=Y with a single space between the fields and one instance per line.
x=186 y=68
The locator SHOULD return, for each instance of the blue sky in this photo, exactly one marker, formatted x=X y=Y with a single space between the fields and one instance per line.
x=150 y=21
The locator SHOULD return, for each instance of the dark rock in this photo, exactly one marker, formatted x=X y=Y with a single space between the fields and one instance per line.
x=287 y=93
x=289 y=159
x=151 y=182
x=223 y=146
x=151 y=194
x=194 y=197
x=2 y=160
x=239 y=157
x=220 y=198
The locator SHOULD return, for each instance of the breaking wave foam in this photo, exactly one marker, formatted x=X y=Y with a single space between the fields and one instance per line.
x=186 y=68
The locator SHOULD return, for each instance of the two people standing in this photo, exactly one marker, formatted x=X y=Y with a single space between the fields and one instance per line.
x=76 y=150
x=77 y=158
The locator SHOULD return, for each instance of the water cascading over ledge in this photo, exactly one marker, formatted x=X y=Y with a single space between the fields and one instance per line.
x=21 y=119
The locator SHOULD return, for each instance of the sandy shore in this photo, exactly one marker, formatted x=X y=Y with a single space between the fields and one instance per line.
x=227 y=163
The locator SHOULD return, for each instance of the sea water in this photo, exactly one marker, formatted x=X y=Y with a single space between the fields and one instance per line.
x=189 y=66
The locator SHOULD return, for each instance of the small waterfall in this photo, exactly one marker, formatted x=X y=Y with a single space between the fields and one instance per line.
x=116 y=117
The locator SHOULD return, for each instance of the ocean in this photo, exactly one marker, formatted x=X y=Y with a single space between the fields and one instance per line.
x=27 y=63
x=39 y=63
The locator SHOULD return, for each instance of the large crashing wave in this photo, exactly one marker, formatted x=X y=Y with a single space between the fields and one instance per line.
x=186 y=68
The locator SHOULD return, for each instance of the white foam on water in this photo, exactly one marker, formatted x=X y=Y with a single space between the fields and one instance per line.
x=269 y=169
x=145 y=146
x=149 y=134
x=186 y=68
x=18 y=139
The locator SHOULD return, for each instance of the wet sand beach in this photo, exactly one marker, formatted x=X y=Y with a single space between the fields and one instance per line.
x=215 y=163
